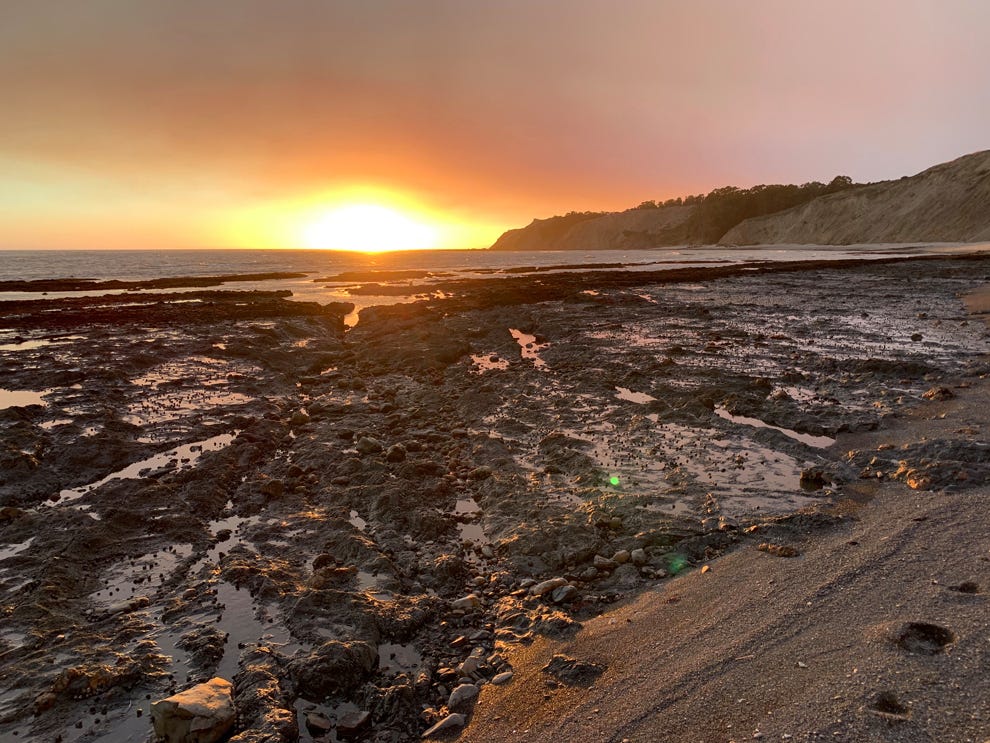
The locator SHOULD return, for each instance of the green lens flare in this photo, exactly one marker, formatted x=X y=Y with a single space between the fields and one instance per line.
x=613 y=480
x=677 y=564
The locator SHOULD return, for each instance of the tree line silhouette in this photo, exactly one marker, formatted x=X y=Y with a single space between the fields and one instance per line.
x=713 y=214
x=723 y=208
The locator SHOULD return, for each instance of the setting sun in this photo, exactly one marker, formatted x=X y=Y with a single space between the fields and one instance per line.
x=368 y=228
x=358 y=217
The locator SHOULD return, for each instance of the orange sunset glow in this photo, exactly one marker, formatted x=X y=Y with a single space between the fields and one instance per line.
x=368 y=227
x=179 y=124
x=363 y=219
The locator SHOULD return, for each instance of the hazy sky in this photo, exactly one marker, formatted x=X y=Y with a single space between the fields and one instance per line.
x=134 y=123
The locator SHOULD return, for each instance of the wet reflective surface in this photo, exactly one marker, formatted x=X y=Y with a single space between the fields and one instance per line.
x=20 y=398
x=529 y=348
x=239 y=494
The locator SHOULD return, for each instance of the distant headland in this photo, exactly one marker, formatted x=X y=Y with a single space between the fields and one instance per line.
x=949 y=202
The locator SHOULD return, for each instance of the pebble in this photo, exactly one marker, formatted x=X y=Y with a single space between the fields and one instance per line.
x=638 y=557
x=352 y=723
x=467 y=603
x=318 y=724
x=546 y=586
x=450 y=722
x=461 y=694
x=604 y=563
x=502 y=678
x=564 y=594
x=368 y=445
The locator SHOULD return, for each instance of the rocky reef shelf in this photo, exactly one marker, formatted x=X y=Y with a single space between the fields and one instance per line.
x=356 y=525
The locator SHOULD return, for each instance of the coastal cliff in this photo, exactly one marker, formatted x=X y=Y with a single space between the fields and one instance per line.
x=946 y=203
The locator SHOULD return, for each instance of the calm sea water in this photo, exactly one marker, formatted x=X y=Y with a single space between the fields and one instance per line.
x=151 y=264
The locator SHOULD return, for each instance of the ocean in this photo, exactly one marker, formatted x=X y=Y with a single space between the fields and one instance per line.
x=151 y=264
x=18 y=265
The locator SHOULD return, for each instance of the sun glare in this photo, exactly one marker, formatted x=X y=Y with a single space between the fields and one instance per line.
x=368 y=228
x=361 y=218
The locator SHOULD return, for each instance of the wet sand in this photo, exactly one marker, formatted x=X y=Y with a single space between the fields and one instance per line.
x=363 y=520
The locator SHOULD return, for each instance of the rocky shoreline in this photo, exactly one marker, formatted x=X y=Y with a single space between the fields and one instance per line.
x=356 y=527
x=872 y=628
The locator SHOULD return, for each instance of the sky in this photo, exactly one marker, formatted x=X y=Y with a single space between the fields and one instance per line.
x=246 y=123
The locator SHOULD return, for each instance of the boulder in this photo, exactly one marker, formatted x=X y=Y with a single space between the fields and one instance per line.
x=201 y=714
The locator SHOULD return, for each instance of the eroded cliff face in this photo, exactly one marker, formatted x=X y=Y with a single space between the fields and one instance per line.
x=947 y=203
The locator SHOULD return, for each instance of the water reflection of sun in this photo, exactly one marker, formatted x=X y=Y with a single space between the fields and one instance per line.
x=368 y=228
